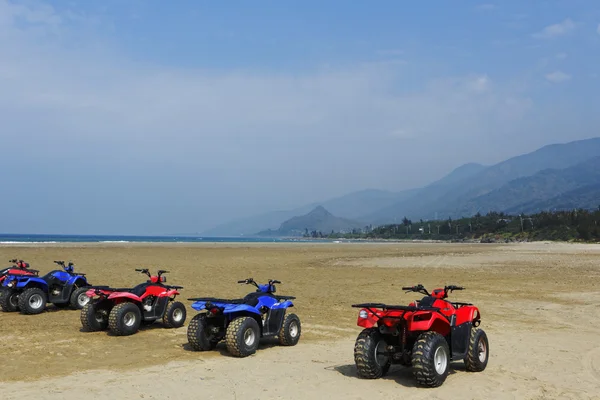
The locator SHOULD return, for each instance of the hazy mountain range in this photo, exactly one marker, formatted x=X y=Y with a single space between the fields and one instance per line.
x=555 y=176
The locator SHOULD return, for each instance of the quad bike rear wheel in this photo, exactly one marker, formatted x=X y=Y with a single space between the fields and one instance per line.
x=32 y=301
x=9 y=300
x=290 y=331
x=200 y=336
x=78 y=298
x=124 y=319
x=431 y=359
x=174 y=315
x=369 y=357
x=95 y=315
x=242 y=337
x=478 y=353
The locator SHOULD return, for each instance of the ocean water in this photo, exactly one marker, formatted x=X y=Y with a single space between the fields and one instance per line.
x=6 y=238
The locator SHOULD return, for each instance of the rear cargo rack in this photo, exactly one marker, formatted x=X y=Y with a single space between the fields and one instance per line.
x=394 y=307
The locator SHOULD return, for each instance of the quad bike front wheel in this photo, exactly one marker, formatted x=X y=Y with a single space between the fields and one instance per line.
x=174 y=315
x=242 y=337
x=32 y=301
x=431 y=359
x=95 y=315
x=478 y=353
x=369 y=355
x=124 y=319
x=200 y=336
x=290 y=331
x=79 y=298
x=9 y=300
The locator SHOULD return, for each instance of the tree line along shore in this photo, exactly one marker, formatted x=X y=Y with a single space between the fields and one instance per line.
x=569 y=225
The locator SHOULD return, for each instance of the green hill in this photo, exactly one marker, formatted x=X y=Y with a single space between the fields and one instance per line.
x=318 y=220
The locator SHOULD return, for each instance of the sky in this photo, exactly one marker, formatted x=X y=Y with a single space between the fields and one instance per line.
x=153 y=117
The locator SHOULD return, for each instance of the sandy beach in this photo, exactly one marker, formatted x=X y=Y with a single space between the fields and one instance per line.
x=539 y=305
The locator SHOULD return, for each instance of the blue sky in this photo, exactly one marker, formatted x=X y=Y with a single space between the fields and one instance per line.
x=152 y=117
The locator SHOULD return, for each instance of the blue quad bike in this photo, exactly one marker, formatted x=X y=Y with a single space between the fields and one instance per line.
x=30 y=294
x=242 y=322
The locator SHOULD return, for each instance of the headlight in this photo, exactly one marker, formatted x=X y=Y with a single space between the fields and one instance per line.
x=363 y=314
x=11 y=284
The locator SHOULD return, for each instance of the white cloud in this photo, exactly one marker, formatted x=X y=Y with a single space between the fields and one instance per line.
x=104 y=98
x=556 y=30
x=557 y=77
x=487 y=6
x=480 y=83
x=390 y=52
x=235 y=126
x=402 y=133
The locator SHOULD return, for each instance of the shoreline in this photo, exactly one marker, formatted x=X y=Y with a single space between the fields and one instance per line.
x=284 y=242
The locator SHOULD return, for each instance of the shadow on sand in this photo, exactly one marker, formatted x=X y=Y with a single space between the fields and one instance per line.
x=402 y=375
x=265 y=343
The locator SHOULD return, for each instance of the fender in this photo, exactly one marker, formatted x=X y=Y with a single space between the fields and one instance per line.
x=124 y=295
x=92 y=292
x=201 y=305
x=283 y=305
x=8 y=279
x=61 y=275
x=23 y=283
x=427 y=320
x=241 y=308
x=158 y=291
x=467 y=314
x=367 y=319
x=169 y=293
x=78 y=280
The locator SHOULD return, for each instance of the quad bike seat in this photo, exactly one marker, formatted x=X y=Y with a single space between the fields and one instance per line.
x=251 y=299
x=140 y=289
x=426 y=301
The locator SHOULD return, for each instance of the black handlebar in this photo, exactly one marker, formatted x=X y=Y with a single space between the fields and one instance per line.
x=421 y=289
x=250 y=281
x=418 y=288
x=143 y=271
x=62 y=264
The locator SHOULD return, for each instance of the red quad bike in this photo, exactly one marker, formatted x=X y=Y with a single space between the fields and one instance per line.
x=122 y=311
x=20 y=267
x=427 y=334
